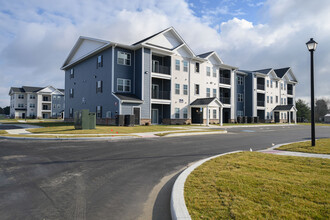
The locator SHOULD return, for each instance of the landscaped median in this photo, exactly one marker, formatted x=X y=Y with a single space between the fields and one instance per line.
x=322 y=146
x=254 y=185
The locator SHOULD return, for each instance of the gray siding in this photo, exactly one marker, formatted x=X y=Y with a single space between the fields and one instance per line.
x=59 y=104
x=138 y=73
x=240 y=89
x=86 y=75
x=124 y=71
x=248 y=95
x=145 y=107
x=127 y=108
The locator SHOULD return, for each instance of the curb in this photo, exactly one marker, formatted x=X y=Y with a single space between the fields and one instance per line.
x=195 y=133
x=65 y=139
x=179 y=209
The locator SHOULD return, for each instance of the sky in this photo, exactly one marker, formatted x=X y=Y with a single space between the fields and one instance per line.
x=37 y=35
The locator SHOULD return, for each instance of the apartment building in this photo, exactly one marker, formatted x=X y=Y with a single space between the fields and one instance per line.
x=158 y=79
x=270 y=94
x=36 y=102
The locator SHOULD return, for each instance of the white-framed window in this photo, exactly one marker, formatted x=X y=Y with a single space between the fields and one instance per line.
x=208 y=71
x=271 y=99
x=196 y=89
x=32 y=105
x=185 y=113
x=214 y=113
x=20 y=96
x=267 y=99
x=58 y=105
x=123 y=85
x=271 y=83
x=284 y=86
x=177 y=65
x=99 y=86
x=276 y=84
x=32 y=97
x=71 y=93
x=54 y=97
x=267 y=83
x=281 y=101
x=240 y=80
x=196 y=67
x=240 y=97
x=185 y=66
x=267 y=115
x=99 y=61
x=123 y=58
x=284 y=101
x=276 y=98
x=239 y=113
x=19 y=105
x=214 y=72
x=214 y=92
x=71 y=73
x=177 y=113
x=99 y=111
x=54 y=105
x=185 y=89
x=177 y=89
x=281 y=86
x=71 y=112
x=208 y=92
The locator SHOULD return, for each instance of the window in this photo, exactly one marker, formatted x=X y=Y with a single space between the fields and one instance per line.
x=58 y=106
x=32 y=97
x=214 y=72
x=32 y=105
x=99 y=111
x=281 y=101
x=267 y=115
x=197 y=67
x=214 y=92
x=208 y=92
x=71 y=113
x=177 y=89
x=71 y=73
x=284 y=86
x=267 y=99
x=54 y=97
x=123 y=85
x=185 y=66
x=267 y=83
x=239 y=80
x=214 y=113
x=20 y=96
x=284 y=101
x=271 y=83
x=271 y=99
x=19 y=105
x=177 y=113
x=45 y=107
x=239 y=113
x=281 y=86
x=124 y=58
x=276 y=83
x=54 y=105
x=276 y=98
x=185 y=89
x=71 y=93
x=185 y=113
x=99 y=61
x=99 y=86
x=239 y=97
x=208 y=71
x=196 y=89
x=177 y=65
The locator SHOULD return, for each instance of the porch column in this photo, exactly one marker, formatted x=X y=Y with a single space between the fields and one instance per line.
x=207 y=116
x=220 y=117
x=295 y=117
x=289 y=117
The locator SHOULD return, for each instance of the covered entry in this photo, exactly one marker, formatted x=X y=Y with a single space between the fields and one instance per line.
x=205 y=104
x=289 y=111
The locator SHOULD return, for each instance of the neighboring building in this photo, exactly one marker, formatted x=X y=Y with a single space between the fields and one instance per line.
x=36 y=102
x=327 y=118
x=270 y=94
x=158 y=79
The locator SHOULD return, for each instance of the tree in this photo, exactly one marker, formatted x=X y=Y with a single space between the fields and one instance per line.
x=303 y=111
x=6 y=110
x=321 y=109
x=1 y=111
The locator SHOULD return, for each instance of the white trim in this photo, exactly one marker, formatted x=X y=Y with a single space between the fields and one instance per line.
x=142 y=72
x=113 y=68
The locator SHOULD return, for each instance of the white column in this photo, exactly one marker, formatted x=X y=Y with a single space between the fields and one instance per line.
x=207 y=116
x=295 y=117
x=220 y=117
x=289 y=117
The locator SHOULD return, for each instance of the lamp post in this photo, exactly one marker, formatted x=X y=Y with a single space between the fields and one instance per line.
x=311 y=46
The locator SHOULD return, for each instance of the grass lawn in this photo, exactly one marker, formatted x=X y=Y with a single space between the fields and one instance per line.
x=322 y=146
x=253 y=185
x=61 y=136
x=69 y=129
x=3 y=132
x=316 y=124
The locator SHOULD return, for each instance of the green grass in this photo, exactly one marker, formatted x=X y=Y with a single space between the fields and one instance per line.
x=316 y=124
x=61 y=136
x=322 y=146
x=3 y=132
x=253 y=185
x=69 y=129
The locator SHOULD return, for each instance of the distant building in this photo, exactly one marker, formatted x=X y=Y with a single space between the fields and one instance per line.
x=327 y=118
x=36 y=102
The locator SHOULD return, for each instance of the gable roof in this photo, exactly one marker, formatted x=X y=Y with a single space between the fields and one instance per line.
x=148 y=38
x=205 y=102
x=284 y=108
x=205 y=55
x=128 y=97
x=281 y=72
x=264 y=71
x=24 y=89
x=31 y=88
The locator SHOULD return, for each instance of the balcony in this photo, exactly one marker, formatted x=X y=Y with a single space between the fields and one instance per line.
x=160 y=69
x=225 y=100
x=261 y=86
x=225 y=80
x=261 y=103
x=155 y=94
x=290 y=92
x=161 y=64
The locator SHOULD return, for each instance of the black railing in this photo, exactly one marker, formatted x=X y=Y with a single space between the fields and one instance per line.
x=261 y=103
x=46 y=99
x=160 y=95
x=225 y=80
x=225 y=100
x=260 y=86
x=161 y=69
x=290 y=92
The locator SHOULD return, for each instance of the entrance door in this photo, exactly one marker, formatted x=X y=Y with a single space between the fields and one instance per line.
x=154 y=116
x=23 y=115
x=136 y=112
x=155 y=91
x=277 y=117
x=196 y=116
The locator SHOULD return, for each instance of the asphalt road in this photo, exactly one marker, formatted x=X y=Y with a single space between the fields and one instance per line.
x=127 y=179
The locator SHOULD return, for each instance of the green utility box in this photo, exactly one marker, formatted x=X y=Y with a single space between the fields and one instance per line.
x=84 y=119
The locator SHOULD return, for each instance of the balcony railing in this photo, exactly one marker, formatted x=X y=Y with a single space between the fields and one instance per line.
x=225 y=80
x=260 y=86
x=160 y=95
x=225 y=100
x=161 y=69
x=261 y=103
x=46 y=99
x=290 y=92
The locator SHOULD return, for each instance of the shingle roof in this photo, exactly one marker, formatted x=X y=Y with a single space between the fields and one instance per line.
x=264 y=71
x=128 y=97
x=31 y=88
x=16 y=89
x=245 y=71
x=61 y=90
x=203 y=101
x=281 y=72
x=283 y=108
x=145 y=39
x=204 y=55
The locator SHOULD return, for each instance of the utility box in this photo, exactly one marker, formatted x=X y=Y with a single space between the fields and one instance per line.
x=120 y=120
x=129 y=120
x=84 y=119
x=244 y=119
x=256 y=119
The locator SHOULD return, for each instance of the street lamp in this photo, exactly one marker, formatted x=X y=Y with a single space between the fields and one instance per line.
x=311 y=46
